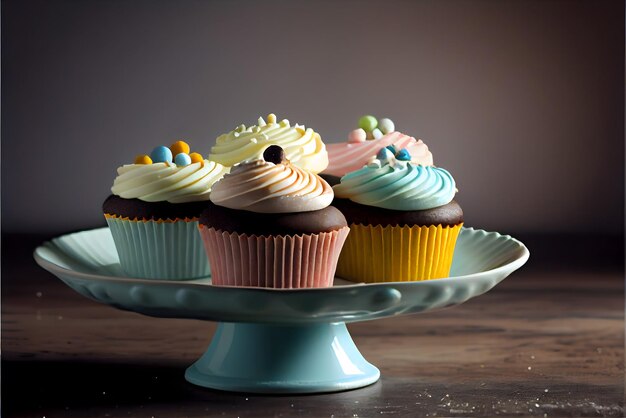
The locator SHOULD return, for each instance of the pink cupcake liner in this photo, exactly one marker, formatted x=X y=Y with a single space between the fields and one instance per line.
x=282 y=261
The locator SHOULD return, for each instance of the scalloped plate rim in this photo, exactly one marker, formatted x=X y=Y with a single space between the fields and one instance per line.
x=512 y=265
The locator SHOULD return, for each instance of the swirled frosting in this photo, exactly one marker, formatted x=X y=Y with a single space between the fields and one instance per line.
x=303 y=146
x=166 y=181
x=264 y=187
x=399 y=185
x=350 y=156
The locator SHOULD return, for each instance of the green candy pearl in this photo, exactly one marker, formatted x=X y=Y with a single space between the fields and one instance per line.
x=368 y=123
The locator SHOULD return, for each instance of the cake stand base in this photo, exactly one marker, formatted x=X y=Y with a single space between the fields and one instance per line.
x=270 y=358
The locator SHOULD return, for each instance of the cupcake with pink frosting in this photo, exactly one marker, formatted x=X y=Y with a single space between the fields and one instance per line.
x=270 y=224
x=365 y=142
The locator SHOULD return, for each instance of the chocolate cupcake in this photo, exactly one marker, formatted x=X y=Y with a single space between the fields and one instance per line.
x=403 y=220
x=270 y=224
x=154 y=209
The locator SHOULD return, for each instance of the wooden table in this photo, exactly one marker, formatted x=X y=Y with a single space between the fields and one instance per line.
x=541 y=343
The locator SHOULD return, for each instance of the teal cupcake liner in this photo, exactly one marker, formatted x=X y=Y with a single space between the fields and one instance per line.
x=159 y=250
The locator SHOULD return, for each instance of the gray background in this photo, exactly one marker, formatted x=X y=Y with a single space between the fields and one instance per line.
x=523 y=101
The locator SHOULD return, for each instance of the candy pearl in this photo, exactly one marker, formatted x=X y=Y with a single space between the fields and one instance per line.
x=274 y=154
x=373 y=162
x=368 y=123
x=161 y=154
x=271 y=118
x=386 y=125
x=143 y=159
x=182 y=159
x=196 y=157
x=384 y=154
x=178 y=147
x=403 y=155
x=358 y=135
x=376 y=133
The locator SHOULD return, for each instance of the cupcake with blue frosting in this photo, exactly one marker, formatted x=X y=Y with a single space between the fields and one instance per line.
x=404 y=221
x=153 y=212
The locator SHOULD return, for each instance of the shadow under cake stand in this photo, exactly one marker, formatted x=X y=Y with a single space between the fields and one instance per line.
x=279 y=341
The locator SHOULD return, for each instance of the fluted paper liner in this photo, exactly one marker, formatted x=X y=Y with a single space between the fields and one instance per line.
x=282 y=261
x=159 y=250
x=397 y=253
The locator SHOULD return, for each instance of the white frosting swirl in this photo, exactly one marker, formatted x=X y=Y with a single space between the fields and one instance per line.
x=265 y=187
x=303 y=146
x=160 y=182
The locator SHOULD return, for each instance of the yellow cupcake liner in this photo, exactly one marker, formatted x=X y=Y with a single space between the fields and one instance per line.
x=374 y=254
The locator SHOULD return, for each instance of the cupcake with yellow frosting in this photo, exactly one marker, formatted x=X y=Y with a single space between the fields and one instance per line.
x=270 y=224
x=302 y=146
x=153 y=212
x=363 y=144
x=403 y=220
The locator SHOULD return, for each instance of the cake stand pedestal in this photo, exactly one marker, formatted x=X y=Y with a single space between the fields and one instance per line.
x=282 y=359
x=279 y=340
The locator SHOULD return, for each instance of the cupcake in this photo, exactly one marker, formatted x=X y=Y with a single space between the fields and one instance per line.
x=153 y=213
x=363 y=144
x=302 y=146
x=403 y=220
x=270 y=224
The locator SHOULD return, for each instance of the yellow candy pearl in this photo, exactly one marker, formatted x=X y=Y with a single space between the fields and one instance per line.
x=271 y=118
x=178 y=147
x=143 y=159
x=196 y=157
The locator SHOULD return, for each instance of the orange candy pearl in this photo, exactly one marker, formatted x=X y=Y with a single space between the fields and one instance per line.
x=178 y=147
x=143 y=159
x=196 y=157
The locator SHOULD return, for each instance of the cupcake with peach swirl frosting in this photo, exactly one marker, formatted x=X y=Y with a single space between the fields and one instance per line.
x=270 y=224
x=153 y=212
x=303 y=146
x=403 y=220
x=363 y=144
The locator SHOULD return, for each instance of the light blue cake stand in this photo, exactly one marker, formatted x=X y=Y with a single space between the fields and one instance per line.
x=279 y=341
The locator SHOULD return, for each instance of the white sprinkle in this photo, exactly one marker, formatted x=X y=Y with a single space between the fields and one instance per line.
x=545 y=390
x=532 y=357
x=536 y=405
x=530 y=368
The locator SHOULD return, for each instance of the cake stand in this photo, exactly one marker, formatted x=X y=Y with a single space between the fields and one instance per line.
x=279 y=341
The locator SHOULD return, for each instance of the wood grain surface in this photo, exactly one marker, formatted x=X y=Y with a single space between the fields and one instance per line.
x=540 y=344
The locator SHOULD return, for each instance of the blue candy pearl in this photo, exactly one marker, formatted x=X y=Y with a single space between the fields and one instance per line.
x=403 y=155
x=392 y=148
x=182 y=159
x=161 y=154
x=384 y=154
